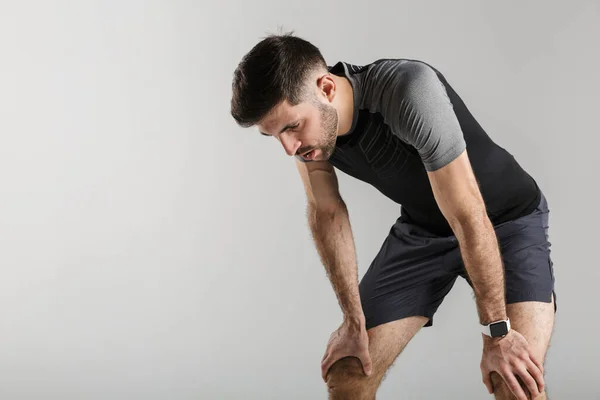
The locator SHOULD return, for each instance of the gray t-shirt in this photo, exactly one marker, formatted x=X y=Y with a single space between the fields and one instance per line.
x=408 y=120
x=417 y=109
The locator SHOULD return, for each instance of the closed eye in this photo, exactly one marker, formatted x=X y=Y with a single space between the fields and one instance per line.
x=284 y=129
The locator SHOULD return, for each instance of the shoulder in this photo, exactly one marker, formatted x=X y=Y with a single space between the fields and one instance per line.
x=389 y=81
x=400 y=69
x=407 y=75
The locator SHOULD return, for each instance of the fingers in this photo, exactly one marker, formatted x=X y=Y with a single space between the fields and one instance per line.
x=529 y=382
x=329 y=360
x=324 y=370
x=487 y=381
x=365 y=359
x=513 y=384
x=326 y=363
x=513 y=360
x=536 y=374
x=537 y=362
x=534 y=368
x=529 y=377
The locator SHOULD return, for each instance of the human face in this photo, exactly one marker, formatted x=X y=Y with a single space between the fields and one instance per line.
x=308 y=130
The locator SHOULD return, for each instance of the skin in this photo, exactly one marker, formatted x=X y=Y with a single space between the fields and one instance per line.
x=354 y=361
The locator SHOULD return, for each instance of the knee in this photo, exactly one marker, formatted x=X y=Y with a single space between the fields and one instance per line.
x=346 y=380
x=503 y=392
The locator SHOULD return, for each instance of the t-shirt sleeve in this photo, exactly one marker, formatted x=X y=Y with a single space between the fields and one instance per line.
x=415 y=104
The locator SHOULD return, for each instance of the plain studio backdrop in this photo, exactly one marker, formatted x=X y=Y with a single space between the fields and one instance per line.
x=151 y=249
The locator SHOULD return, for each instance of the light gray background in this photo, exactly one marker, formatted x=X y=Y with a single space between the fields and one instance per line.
x=151 y=249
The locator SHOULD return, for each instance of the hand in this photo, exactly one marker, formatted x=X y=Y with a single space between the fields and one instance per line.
x=350 y=339
x=512 y=358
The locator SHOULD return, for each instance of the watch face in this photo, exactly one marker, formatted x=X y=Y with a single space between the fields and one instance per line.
x=499 y=329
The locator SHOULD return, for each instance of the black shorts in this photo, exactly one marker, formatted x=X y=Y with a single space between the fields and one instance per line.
x=415 y=270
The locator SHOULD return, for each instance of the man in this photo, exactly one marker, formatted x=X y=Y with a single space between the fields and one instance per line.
x=467 y=209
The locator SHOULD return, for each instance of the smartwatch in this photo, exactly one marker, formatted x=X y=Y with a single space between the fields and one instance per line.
x=497 y=328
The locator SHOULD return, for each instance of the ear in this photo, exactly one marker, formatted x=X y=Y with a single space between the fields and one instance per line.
x=327 y=86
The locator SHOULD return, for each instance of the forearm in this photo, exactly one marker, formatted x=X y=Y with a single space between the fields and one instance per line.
x=333 y=237
x=481 y=256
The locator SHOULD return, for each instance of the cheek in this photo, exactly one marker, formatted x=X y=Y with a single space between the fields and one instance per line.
x=313 y=132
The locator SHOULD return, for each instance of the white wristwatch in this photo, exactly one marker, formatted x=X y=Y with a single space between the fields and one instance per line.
x=497 y=328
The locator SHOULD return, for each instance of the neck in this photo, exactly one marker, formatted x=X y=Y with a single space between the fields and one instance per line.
x=345 y=107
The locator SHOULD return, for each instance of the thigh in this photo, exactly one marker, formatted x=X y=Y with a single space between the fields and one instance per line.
x=535 y=321
x=386 y=342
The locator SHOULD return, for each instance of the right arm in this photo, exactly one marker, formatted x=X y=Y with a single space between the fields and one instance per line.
x=330 y=227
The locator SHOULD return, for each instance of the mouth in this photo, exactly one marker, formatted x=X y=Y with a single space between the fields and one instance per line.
x=308 y=155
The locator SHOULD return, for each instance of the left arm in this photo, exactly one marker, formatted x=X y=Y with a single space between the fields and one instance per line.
x=415 y=101
x=459 y=199
x=419 y=109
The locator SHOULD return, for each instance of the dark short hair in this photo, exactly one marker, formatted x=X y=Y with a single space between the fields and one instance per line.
x=274 y=70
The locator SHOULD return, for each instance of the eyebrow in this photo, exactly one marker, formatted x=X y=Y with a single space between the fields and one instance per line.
x=285 y=128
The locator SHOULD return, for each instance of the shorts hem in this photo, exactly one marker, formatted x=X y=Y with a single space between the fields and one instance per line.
x=519 y=297
x=390 y=317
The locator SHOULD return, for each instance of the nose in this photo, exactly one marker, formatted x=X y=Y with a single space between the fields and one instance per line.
x=290 y=144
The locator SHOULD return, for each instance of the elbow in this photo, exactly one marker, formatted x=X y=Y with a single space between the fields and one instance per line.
x=473 y=223
x=327 y=206
x=324 y=211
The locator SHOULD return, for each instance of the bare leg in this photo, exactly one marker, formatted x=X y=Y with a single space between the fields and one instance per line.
x=346 y=379
x=535 y=321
